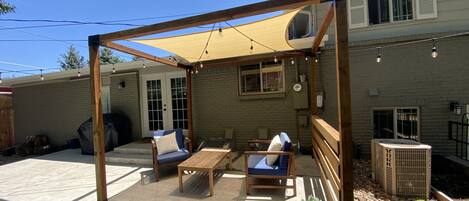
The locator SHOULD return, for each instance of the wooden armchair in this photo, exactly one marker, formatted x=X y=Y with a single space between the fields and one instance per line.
x=173 y=158
x=283 y=168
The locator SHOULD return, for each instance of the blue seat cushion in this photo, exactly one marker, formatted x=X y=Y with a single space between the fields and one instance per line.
x=257 y=165
x=180 y=155
x=179 y=136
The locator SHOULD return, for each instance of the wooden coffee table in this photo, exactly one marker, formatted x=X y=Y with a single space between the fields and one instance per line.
x=206 y=160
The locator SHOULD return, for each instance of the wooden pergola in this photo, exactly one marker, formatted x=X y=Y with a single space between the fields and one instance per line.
x=332 y=148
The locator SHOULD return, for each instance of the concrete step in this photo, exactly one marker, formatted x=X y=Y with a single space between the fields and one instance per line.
x=129 y=158
x=134 y=148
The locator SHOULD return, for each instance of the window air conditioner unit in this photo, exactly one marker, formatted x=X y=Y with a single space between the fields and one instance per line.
x=402 y=167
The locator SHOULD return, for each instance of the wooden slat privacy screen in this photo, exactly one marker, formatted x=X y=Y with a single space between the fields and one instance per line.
x=325 y=145
x=6 y=122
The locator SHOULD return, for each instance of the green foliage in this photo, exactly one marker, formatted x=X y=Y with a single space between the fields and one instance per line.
x=71 y=59
x=106 y=56
x=6 y=7
x=135 y=58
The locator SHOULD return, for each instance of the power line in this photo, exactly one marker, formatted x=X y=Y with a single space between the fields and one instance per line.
x=41 y=40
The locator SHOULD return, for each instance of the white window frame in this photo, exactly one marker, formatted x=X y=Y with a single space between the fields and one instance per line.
x=394 y=109
x=240 y=91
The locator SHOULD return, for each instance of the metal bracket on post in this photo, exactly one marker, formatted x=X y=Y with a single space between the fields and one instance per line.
x=93 y=40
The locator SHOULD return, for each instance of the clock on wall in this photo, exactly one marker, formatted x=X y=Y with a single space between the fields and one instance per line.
x=297 y=87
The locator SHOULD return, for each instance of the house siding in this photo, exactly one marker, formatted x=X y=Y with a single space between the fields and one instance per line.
x=453 y=16
x=53 y=109
x=126 y=100
x=218 y=105
x=407 y=76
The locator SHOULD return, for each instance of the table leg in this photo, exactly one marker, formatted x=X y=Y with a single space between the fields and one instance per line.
x=180 y=173
x=230 y=162
x=210 y=179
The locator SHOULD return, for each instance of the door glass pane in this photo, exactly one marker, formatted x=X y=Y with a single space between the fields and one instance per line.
x=407 y=121
x=179 y=102
x=383 y=124
x=154 y=102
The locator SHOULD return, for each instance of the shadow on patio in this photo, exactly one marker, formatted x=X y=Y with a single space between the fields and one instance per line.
x=229 y=185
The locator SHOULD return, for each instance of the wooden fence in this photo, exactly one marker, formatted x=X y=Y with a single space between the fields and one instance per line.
x=326 y=141
x=6 y=122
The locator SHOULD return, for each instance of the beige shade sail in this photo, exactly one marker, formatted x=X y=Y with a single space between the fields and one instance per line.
x=271 y=35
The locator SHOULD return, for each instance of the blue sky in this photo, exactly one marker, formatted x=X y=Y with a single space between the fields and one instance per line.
x=46 y=54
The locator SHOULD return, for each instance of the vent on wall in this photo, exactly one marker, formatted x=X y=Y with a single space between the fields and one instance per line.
x=402 y=167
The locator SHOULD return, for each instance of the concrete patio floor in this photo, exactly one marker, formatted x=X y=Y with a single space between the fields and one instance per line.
x=64 y=175
x=229 y=185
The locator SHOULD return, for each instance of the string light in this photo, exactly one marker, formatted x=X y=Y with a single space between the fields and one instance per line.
x=275 y=59
x=79 y=74
x=378 y=58
x=192 y=71
x=434 y=52
x=219 y=28
x=113 y=69
x=292 y=61
x=196 y=71
x=306 y=58
x=42 y=76
x=1 y=77
x=201 y=65
x=252 y=47
x=316 y=59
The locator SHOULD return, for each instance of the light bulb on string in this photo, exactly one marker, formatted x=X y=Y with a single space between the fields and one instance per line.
x=78 y=74
x=292 y=61
x=113 y=69
x=1 y=77
x=434 y=52
x=252 y=47
x=219 y=28
x=306 y=58
x=144 y=66
x=275 y=59
x=196 y=71
x=378 y=58
x=42 y=76
x=201 y=65
x=192 y=71
x=316 y=59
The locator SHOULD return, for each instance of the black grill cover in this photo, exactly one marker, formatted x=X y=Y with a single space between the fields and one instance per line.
x=117 y=131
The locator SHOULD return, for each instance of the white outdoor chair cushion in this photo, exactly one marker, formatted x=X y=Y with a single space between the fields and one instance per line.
x=275 y=145
x=166 y=144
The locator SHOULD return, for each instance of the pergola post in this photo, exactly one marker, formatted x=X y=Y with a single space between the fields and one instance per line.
x=189 y=107
x=344 y=103
x=97 y=117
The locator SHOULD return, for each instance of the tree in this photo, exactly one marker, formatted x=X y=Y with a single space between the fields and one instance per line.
x=6 y=7
x=136 y=58
x=106 y=56
x=71 y=59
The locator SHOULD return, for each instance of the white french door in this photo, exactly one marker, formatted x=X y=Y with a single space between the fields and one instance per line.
x=163 y=101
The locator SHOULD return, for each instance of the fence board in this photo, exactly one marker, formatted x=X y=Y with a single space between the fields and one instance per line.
x=329 y=133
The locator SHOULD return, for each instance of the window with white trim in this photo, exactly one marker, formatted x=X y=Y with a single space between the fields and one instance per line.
x=398 y=123
x=363 y=13
x=261 y=78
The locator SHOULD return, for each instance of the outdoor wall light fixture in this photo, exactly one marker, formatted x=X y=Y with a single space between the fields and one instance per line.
x=455 y=107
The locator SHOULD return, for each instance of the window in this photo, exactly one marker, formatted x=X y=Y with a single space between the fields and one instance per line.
x=262 y=77
x=383 y=11
x=302 y=24
x=399 y=123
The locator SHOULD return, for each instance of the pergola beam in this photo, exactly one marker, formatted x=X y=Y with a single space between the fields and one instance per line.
x=323 y=28
x=208 y=18
x=344 y=100
x=141 y=54
x=97 y=118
